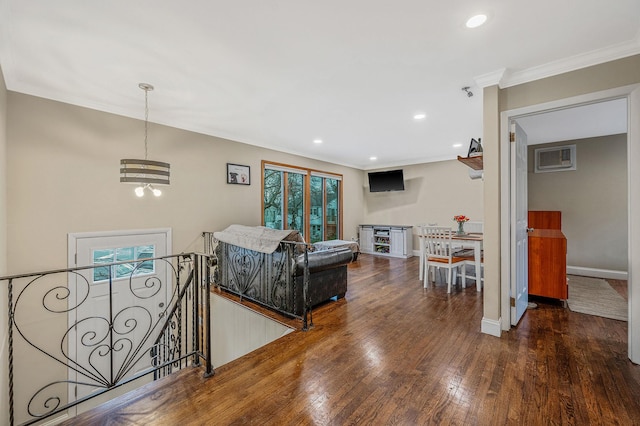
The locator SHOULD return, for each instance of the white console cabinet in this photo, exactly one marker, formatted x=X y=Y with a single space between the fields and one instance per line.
x=386 y=240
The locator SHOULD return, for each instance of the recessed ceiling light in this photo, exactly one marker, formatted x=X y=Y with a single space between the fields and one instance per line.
x=317 y=141
x=420 y=116
x=476 y=21
x=373 y=158
x=458 y=145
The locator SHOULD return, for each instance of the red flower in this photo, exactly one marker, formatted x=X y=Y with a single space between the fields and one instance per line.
x=461 y=218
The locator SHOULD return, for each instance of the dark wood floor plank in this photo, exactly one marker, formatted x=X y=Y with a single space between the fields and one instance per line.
x=395 y=353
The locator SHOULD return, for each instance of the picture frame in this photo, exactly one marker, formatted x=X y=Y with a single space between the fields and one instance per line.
x=475 y=148
x=238 y=174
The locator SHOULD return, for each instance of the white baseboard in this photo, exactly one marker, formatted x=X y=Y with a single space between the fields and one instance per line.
x=492 y=327
x=597 y=273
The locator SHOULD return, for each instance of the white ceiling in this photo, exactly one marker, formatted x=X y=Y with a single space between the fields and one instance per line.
x=579 y=122
x=281 y=73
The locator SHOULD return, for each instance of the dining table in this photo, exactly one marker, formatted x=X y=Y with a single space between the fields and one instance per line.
x=473 y=239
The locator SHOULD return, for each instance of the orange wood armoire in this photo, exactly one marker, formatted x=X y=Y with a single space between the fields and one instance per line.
x=548 y=258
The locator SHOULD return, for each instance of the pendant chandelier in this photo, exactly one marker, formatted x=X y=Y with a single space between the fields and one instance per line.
x=145 y=173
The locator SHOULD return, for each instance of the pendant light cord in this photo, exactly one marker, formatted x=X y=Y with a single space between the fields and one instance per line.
x=146 y=87
x=146 y=120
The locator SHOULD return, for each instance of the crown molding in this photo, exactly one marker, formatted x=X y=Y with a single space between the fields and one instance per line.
x=583 y=60
x=491 y=78
x=506 y=78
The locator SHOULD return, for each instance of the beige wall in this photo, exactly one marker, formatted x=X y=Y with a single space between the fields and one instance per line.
x=3 y=175
x=4 y=398
x=434 y=193
x=492 y=232
x=592 y=199
x=610 y=75
x=64 y=177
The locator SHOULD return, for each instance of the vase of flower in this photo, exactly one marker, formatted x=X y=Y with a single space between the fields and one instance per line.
x=460 y=219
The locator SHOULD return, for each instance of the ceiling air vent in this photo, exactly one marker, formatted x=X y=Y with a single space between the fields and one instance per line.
x=555 y=159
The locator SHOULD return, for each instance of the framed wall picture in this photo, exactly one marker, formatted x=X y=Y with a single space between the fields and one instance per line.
x=238 y=174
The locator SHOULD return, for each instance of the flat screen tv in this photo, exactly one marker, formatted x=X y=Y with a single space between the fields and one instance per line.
x=391 y=180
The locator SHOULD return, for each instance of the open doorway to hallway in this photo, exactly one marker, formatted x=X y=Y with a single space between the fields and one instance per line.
x=631 y=94
x=588 y=190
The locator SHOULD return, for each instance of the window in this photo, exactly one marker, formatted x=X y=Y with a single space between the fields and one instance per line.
x=331 y=190
x=272 y=203
x=309 y=200
x=120 y=254
x=324 y=208
x=295 y=202
x=317 y=209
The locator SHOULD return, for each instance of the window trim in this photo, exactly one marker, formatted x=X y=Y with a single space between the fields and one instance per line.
x=308 y=172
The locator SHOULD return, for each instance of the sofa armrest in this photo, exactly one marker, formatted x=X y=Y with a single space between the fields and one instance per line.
x=325 y=259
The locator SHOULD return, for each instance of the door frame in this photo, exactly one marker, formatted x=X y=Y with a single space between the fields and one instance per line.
x=633 y=159
x=72 y=241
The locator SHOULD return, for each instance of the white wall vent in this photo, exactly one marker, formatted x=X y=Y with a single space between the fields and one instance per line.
x=555 y=159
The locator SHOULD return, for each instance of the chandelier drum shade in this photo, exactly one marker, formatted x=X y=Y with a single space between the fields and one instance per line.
x=145 y=173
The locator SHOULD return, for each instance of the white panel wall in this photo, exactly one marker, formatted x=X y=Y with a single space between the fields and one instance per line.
x=237 y=330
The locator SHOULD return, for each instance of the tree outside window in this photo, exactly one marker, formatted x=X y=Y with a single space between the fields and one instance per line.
x=285 y=197
x=273 y=205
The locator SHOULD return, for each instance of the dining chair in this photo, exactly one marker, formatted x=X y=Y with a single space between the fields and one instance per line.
x=469 y=259
x=439 y=254
x=421 y=240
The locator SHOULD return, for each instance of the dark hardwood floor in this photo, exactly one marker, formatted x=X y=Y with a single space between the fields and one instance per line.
x=392 y=352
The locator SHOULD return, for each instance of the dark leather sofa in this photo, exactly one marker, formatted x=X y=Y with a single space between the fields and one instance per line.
x=276 y=280
x=327 y=275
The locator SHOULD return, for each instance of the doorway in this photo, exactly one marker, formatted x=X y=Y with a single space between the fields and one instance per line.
x=632 y=94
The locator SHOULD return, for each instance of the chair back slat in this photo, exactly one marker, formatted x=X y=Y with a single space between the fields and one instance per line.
x=438 y=252
x=437 y=242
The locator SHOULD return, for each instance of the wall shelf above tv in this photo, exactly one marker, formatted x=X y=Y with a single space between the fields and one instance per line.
x=474 y=162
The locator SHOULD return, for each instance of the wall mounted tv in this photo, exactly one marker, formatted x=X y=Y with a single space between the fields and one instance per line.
x=391 y=180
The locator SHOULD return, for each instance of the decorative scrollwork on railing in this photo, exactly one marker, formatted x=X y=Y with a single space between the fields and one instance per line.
x=264 y=278
x=100 y=335
x=150 y=283
x=244 y=267
x=279 y=279
x=47 y=399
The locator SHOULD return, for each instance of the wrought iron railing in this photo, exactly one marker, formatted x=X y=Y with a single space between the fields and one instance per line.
x=266 y=279
x=78 y=333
